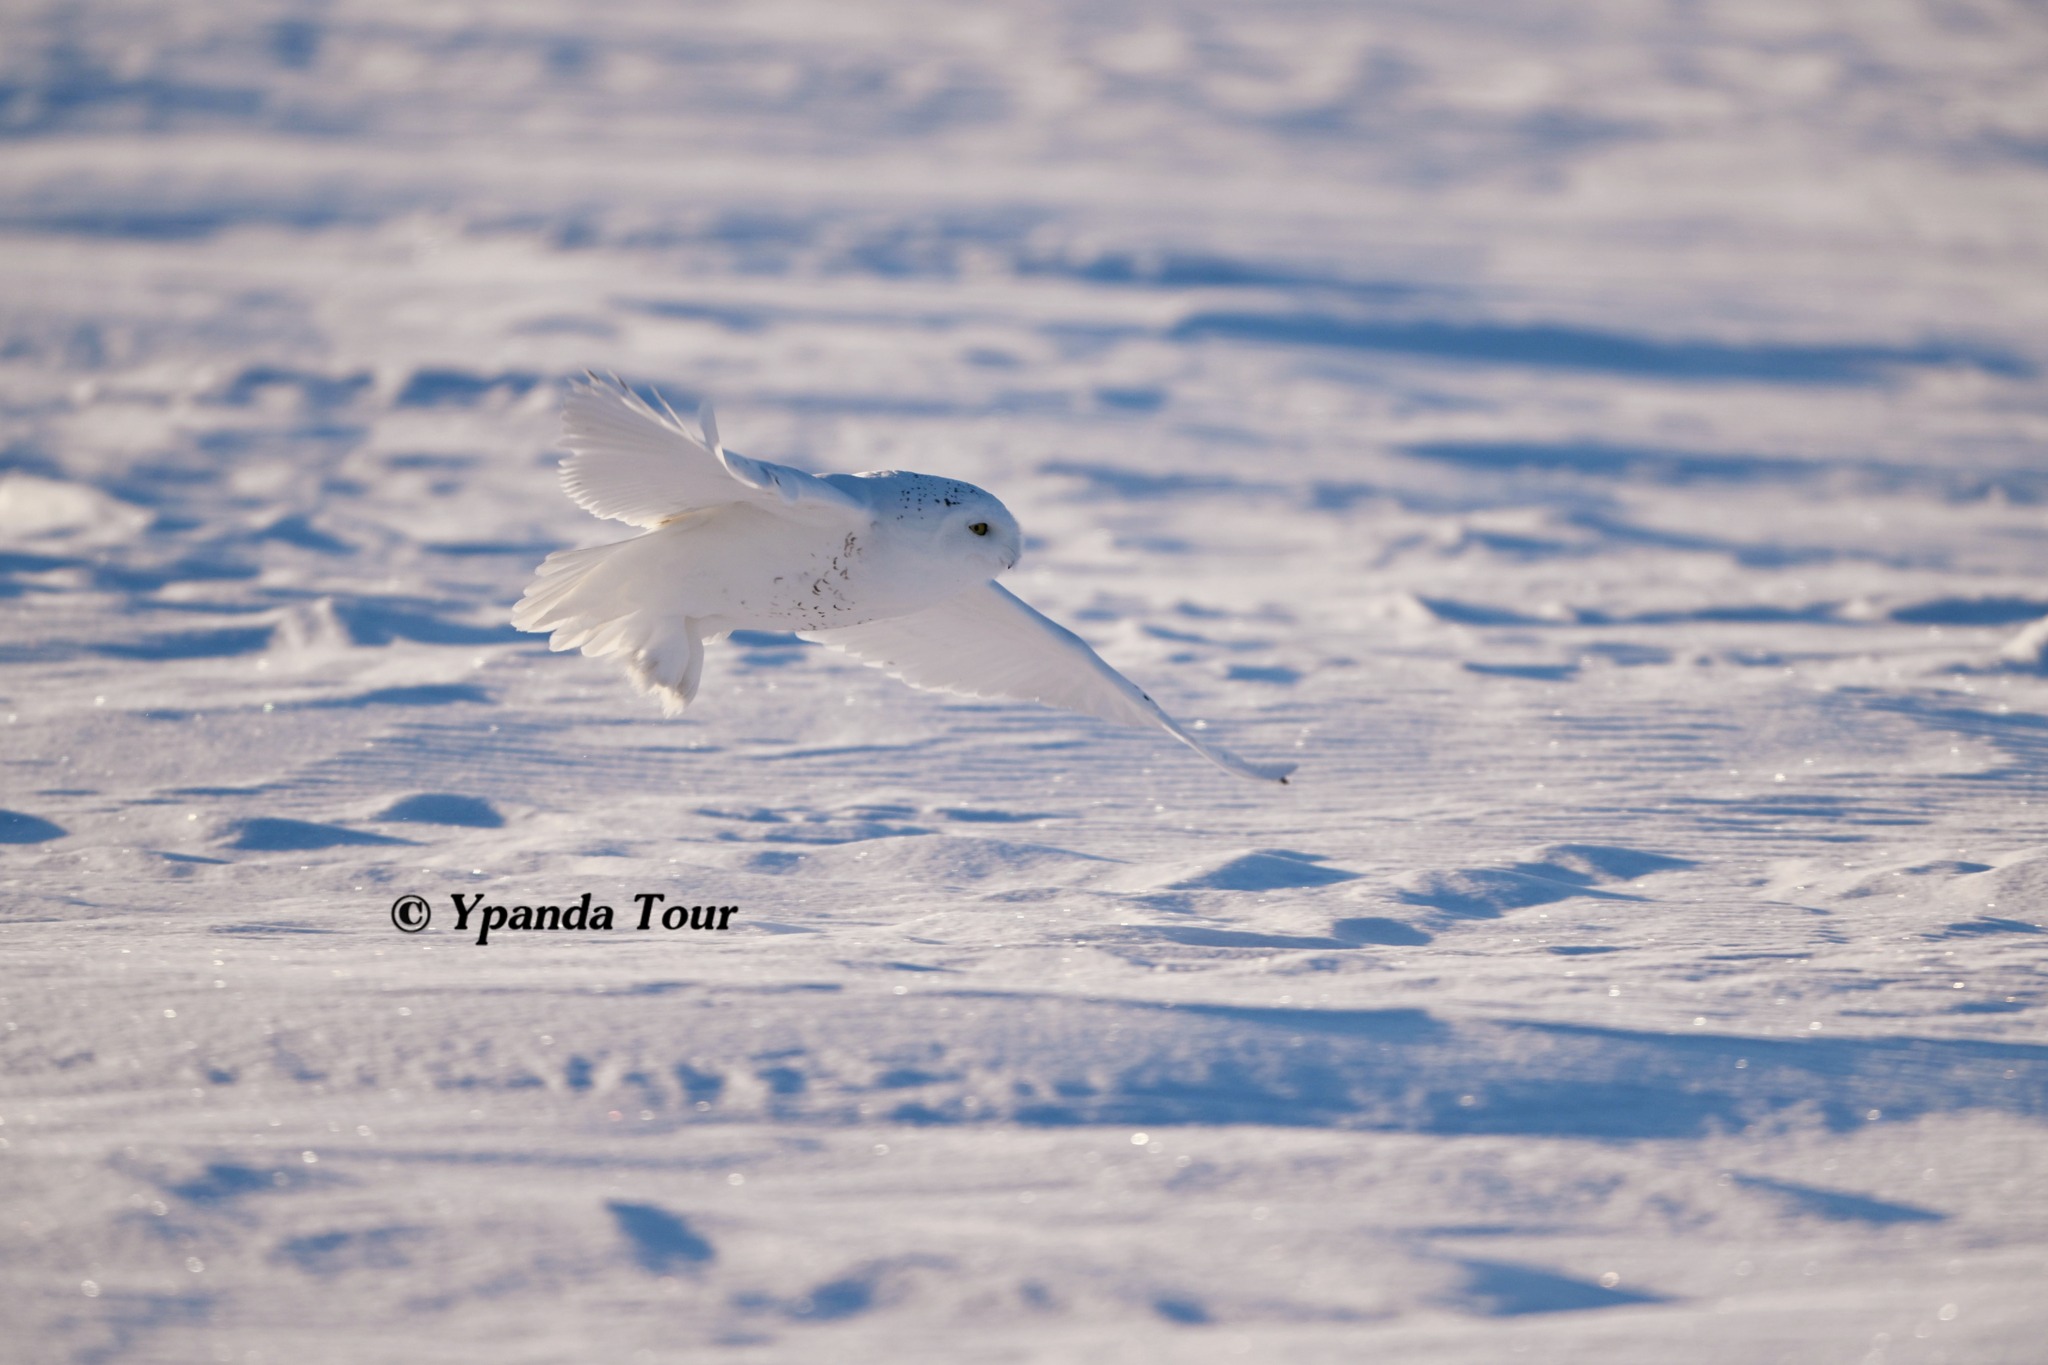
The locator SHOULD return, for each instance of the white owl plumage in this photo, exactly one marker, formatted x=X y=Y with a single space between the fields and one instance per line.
x=895 y=568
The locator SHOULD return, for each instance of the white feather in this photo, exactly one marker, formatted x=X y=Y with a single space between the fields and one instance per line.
x=986 y=642
x=615 y=601
x=707 y=421
x=630 y=463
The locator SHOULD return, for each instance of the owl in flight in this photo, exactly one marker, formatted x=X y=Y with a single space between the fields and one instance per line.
x=896 y=569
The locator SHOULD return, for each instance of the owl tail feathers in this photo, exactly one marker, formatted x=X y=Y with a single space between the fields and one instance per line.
x=588 y=600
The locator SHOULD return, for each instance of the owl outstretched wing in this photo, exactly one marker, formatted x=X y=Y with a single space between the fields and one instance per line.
x=629 y=462
x=986 y=642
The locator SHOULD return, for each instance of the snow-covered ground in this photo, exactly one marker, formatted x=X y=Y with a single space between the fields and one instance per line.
x=1602 y=442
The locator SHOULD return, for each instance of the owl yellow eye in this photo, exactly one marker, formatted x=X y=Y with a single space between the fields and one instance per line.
x=979 y=528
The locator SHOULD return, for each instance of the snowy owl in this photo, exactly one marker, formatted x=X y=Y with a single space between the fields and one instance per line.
x=897 y=569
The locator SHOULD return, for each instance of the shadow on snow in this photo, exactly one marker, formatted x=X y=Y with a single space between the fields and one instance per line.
x=1551 y=346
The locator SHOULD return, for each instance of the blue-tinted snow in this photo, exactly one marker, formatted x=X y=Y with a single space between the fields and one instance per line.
x=1602 y=443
